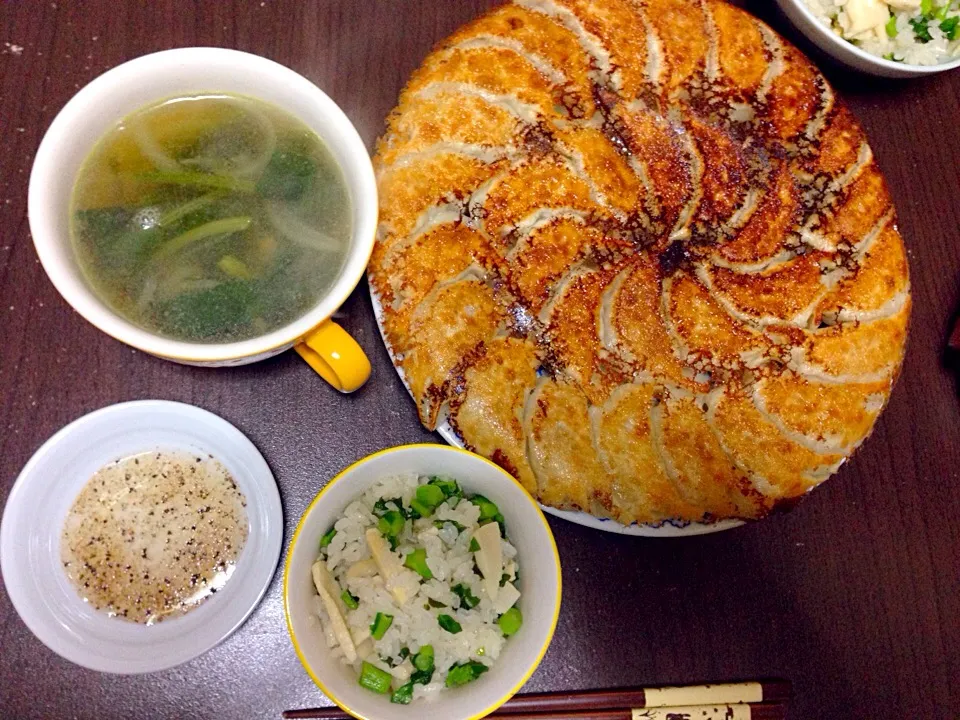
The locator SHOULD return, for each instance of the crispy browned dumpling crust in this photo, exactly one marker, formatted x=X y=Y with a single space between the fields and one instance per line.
x=639 y=254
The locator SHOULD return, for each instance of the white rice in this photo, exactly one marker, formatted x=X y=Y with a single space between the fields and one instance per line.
x=907 y=45
x=415 y=622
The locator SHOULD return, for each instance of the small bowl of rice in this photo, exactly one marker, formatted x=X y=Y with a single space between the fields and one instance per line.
x=422 y=582
x=890 y=38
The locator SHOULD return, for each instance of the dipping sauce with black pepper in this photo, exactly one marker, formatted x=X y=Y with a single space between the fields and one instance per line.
x=153 y=535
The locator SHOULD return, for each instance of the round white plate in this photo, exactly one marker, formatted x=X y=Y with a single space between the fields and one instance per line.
x=668 y=528
x=46 y=488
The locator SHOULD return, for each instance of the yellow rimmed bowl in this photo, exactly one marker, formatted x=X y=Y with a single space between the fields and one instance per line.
x=540 y=585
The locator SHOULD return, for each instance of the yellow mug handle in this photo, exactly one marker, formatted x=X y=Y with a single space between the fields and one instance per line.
x=335 y=356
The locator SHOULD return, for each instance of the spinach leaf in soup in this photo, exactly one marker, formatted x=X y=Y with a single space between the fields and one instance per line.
x=210 y=314
x=115 y=240
x=103 y=222
x=288 y=175
x=284 y=297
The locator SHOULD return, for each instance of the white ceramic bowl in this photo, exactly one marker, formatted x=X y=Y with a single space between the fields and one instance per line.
x=46 y=488
x=142 y=81
x=849 y=54
x=539 y=584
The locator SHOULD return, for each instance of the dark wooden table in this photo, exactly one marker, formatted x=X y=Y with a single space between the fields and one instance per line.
x=855 y=595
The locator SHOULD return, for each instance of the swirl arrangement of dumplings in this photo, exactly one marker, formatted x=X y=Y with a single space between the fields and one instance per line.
x=639 y=254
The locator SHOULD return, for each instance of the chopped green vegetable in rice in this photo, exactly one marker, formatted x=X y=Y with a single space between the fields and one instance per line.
x=449 y=624
x=325 y=540
x=949 y=27
x=417 y=587
x=467 y=598
x=403 y=694
x=510 y=621
x=891 y=26
x=921 y=29
x=423 y=660
x=467 y=672
x=381 y=623
x=430 y=495
x=417 y=561
x=375 y=679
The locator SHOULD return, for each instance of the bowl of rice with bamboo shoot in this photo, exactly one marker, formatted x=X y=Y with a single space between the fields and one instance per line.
x=423 y=581
x=891 y=38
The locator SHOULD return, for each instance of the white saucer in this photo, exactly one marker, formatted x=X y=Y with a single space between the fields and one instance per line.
x=43 y=493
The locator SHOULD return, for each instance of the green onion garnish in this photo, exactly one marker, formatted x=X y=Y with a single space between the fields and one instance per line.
x=467 y=598
x=449 y=488
x=449 y=624
x=380 y=507
x=391 y=524
x=921 y=29
x=381 y=623
x=328 y=536
x=430 y=495
x=417 y=561
x=349 y=600
x=950 y=27
x=462 y=674
x=403 y=695
x=510 y=621
x=375 y=679
x=488 y=510
x=423 y=660
x=420 y=509
x=422 y=677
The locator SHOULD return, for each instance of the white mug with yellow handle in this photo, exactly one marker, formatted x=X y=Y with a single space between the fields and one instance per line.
x=109 y=98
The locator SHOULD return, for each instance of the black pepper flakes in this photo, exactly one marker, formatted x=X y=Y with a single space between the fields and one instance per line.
x=139 y=578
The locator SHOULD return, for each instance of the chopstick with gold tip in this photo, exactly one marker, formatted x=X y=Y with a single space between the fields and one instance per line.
x=760 y=700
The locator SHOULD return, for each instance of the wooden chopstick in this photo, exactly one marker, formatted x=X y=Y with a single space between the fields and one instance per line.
x=739 y=711
x=763 y=699
x=678 y=696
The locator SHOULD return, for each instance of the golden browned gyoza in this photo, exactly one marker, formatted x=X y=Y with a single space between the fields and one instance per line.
x=640 y=255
